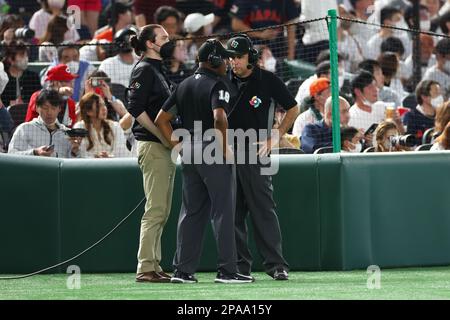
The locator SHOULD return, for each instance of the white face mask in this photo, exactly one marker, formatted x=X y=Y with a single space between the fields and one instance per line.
x=357 y=148
x=425 y=25
x=436 y=102
x=367 y=102
x=57 y=4
x=73 y=66
x=270 y=64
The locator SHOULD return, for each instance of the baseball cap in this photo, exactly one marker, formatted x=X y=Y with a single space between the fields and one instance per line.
x=318 y=86
x=239 y=45
x=61 y=72
x=195 y=21
x=208 y=47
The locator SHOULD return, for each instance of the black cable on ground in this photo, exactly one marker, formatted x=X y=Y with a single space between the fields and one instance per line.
x=79 y=254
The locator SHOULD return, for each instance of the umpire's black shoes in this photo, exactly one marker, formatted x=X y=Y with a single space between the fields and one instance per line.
x=181 y=277
x=280 y=274
x=233 y=278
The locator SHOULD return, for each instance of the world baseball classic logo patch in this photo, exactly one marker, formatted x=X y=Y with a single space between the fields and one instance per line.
x=255 y=102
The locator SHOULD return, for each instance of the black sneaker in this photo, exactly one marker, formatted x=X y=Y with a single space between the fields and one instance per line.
x=233 y=278
x=181 y=277
x=280 y=274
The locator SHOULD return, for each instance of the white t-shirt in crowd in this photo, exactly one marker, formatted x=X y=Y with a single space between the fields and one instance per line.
x=118 y=147
x=361 y=119
x=303 y=91
x=117 y=70
x=317 y=31
x=441 y=77
x=302 y=120
x=39 y=22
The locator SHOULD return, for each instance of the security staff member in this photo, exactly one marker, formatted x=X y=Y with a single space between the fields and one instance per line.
x=254 y=110
x=208 y=186
x=147 y=92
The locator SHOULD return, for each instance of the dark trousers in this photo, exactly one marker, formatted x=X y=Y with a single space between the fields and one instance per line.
x=209 y=192
x=255 y=196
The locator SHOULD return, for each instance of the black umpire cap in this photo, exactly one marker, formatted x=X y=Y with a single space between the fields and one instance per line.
x=210 y=46
x=239 y=45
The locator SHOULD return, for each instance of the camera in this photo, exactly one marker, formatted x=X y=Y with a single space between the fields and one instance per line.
x=24 y=33
x=403 y=141
x=96 y=81
x=77 y=132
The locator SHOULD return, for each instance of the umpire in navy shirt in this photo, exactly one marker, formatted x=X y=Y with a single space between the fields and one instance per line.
x=201 y=102
x=259 y=91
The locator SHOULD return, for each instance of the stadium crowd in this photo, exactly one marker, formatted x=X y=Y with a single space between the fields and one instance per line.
x=57 y=77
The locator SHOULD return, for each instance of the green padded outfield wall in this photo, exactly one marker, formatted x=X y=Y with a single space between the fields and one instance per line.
x=337 y=212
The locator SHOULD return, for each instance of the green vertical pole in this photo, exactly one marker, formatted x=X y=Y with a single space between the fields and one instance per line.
x=332 y=31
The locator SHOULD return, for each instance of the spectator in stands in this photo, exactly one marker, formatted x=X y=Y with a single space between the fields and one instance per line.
x=444 y=23
x=119 y=67
x=383 y=134
x=319 y=135
x=440 y=72
x=222 y=20
x=441 y=119
x=290 y=141
x=95 y=50
x=390 y=66
x=315 y=38
x=267 y=13
x=22 y=82
x=144 y=10
x=69 y=55
x=98 y=83
x=106 y=138
x=427 y=58
x=389 y=16
x=361 y=10
x=56 y=29
x=322 y=71
x=41 y=19
x=351 y=140
x=266 y=59
x=197 y=25
x=90 y=12
x=7 y=27
x=60 y=79
x=443 y=141
x=44 y=135
x=367 y=109
x=348 y=47
x=170 y=18
x=176 y=67
x=319 y=91
x=418 y=120
x=385 y=94
x=119 y=18
x=395 y=45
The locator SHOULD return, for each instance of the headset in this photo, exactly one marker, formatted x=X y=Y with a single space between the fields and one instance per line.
x=214 y=59
x=253 y=54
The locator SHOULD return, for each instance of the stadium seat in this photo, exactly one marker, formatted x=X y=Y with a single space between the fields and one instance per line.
x=18 y=113
x=370 y=149
x=427 y=136
x=324 y=150
x=424 y=147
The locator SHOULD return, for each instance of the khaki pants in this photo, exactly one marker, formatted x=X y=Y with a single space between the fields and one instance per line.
x=158 y=175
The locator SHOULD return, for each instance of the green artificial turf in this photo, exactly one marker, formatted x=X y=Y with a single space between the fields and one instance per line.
x=414 y=283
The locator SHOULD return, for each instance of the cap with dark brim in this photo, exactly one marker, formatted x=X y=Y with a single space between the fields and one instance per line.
x=208 y=47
